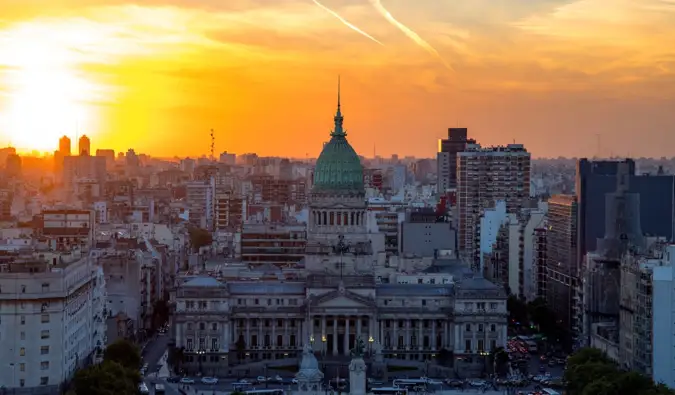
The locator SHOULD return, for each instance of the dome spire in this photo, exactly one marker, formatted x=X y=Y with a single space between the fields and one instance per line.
x=337 y=130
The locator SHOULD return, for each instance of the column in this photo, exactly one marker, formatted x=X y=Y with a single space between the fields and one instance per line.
x=260 y=333
x=323 y=334
x=445 y=339
x=395 y=339
x=299 y=330
x=335 y=334
x=273 y=340
x=381 y=339
x=420 y=334
x=286 y=337
x=248 y=333
x=224 y=343
x=433 y=335
x=505 y=336
x=358 y=329
x=179 y=335
x=406 y=341
x=346 y=342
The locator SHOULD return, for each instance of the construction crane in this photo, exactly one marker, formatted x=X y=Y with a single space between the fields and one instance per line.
x=213 y=145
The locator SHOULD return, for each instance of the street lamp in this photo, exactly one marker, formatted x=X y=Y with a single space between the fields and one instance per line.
x=323 y=345
x=370 y=344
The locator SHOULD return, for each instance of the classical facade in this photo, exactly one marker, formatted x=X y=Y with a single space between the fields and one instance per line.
x=254 y=321
x=338 y=299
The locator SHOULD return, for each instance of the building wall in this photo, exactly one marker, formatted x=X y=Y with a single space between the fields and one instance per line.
x=425 y=239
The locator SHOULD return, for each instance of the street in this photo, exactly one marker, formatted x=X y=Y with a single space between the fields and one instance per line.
x=154 y=350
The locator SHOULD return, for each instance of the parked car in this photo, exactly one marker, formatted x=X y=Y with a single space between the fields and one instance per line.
x=174 y=379
x=262 y=379
x=187 y=380
x=209 y=380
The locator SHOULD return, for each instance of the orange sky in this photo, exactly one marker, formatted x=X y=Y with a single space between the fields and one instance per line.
x=556 y=75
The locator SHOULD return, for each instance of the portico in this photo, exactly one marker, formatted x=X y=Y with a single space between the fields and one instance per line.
x=336 y=334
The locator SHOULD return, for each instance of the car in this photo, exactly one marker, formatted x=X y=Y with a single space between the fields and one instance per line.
x=143 y=389
x=187 y=380
x=262 y=379
x=278 y=379
x=454 y=383
x=477 y=383
x=209 y=380
x=174 y=379
x=294 y=381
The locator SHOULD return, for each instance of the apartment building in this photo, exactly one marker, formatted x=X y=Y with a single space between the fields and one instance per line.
x=275 y=244
x=52 y=310
x=485 y=176
x=66 y=228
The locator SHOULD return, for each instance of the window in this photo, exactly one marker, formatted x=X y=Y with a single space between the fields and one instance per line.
x=23 y=289
x=493 y=345
x=256 y=302
x=481 y=345
x=44 y=365
x=480 y=327
x=189 y=344
x=45 y=287
x=189 y=326
x=22 y=367
x=45 y=318
x=44 y=350
x=214 y=344
x=493 y=306
x=467 y=345
x=202 y=343
x=202 y=326
x=467 y=327
x=23 y=335
x=43 y=380
x=23 y=320
x=44 y=334
x=269 y=302
x=424 y=302
x=493 y=328
x=481 y=306
x=22 y=352
x=214 y=326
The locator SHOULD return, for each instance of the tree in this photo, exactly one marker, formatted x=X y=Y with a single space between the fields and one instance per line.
x=160 y=312
x=444 y=357
x=107 y=378
x=175 y=358
x=199 y=238
x=517 y=310
x=500 y=359
x=591 y=372
x=125 y=353
x=241 y=347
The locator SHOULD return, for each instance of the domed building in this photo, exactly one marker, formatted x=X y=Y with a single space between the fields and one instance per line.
x=337 y=208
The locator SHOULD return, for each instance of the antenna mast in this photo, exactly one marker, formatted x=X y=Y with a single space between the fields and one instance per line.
x=213 y=145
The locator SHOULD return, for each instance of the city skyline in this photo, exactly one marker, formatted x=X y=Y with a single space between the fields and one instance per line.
x=594 y=78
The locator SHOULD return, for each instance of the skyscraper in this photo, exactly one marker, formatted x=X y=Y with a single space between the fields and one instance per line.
x=446 y=157
x=561 y=256
x=64 y=146
x=484 y=176
x=84 y=146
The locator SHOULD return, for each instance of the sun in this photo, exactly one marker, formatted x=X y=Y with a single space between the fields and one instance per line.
x=44 y=94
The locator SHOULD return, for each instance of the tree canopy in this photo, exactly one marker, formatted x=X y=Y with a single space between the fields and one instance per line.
x=591 y=372
x=125 y=353
x=107 y=378
x=199 y=238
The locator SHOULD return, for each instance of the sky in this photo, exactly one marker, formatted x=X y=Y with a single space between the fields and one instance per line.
x=563 y=77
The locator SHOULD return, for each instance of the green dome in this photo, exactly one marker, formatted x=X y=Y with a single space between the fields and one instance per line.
x=338 y=168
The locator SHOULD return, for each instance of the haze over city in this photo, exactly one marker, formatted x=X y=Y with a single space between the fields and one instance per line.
x=593 y=77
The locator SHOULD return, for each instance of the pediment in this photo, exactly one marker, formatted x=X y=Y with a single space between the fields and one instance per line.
x=343 y=299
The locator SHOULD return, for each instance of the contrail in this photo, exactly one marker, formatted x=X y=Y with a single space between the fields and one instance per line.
x=343 y=20
x=407 y=31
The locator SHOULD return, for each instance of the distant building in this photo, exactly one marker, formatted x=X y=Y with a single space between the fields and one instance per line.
x=446 y=158
x=485 y=176
x=109 y=156
x=64 y=146
x=84 y=146
x=13 y=166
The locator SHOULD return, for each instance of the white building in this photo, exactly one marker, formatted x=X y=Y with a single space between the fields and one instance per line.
x=663 y=339
x=51 y=320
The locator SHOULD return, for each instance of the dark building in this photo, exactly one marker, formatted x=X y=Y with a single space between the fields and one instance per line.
x=561 y=256
x=447 y=157
x=596 y=179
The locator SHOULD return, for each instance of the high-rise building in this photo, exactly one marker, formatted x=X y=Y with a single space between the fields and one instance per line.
x=59 y=326
x=446 y=158
x=109 y=156
x=13 y=165
x=64 y=146
x=485 y=176
x=84 y=146
x=596 y=179
x=562 y=272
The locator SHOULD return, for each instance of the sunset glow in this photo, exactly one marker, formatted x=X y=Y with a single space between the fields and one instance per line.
x=262 y=74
